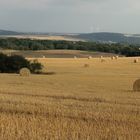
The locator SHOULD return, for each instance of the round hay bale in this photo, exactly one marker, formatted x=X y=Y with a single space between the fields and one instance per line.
x=116 y=57
x=136 y=85
x=24 y=72
x=101 y=56
x=9 y=54
x=136 y=60
x=75 y=57
x=90 y=57
x=43 y=56
x=112 y=58
x=86 y=65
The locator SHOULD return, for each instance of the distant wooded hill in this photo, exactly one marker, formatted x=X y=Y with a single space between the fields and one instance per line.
x=111 y=38
x=101 y=37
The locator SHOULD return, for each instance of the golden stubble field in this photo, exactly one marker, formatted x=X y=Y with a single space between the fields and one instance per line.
x=76 y=103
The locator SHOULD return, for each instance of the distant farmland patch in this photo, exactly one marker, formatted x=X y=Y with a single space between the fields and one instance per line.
x=45 y=37
x=57 y=53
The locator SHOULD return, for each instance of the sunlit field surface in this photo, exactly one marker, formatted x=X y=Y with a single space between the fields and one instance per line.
x=75 y=103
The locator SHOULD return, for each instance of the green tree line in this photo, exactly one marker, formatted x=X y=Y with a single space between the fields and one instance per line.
x=12 y=64
x=28 y=44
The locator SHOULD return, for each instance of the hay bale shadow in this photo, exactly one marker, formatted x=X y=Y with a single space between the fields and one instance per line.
x=136 y=86
x=86 y=65
x=136 y=60
x=103 y=60
x=45 y=73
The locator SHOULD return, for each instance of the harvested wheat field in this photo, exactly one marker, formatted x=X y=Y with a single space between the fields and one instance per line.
x=75 y=103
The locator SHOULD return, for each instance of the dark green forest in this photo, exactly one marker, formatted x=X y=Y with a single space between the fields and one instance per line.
x=28 y=44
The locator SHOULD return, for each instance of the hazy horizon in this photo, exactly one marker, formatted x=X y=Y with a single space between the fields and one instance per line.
x=43 y=32
x=70 y=16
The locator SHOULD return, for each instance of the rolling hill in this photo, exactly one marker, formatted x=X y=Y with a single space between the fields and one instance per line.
x=102 y=37
x=105 y=37
x=6 y=32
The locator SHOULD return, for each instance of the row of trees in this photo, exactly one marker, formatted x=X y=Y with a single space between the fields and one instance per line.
x=28 y=44
x=12 y=64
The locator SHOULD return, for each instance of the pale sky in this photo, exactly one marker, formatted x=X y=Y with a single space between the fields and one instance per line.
x=72 y=16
